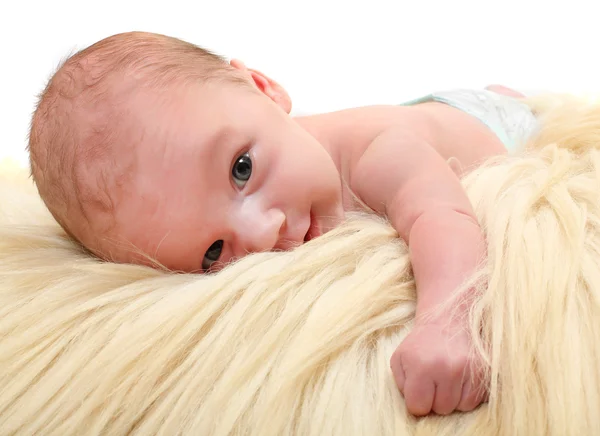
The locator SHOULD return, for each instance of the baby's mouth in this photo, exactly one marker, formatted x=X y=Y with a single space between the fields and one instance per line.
x=313 y=229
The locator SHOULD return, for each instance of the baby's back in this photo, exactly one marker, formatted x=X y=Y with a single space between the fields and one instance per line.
x=462 y=129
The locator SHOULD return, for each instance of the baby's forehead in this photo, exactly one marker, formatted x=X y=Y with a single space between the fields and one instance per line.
x=160 y=132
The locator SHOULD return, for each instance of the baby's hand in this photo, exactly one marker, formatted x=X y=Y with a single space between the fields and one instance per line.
x=435 y=371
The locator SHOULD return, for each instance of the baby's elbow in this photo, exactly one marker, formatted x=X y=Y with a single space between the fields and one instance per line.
x=431 y=216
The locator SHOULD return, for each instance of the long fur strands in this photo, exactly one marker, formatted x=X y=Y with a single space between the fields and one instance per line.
x=298 y=343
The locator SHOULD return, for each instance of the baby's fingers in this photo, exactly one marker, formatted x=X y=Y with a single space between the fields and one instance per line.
x=419 y=393
x=471 y=396
x=398 y=371
x=447 y=397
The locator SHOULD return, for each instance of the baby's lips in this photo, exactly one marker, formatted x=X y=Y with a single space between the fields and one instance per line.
x=314 y=228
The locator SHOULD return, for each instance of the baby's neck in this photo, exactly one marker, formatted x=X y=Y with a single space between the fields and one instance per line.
x=345 y=135
x=320 y=129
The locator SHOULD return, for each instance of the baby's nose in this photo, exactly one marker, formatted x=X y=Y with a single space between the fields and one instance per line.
x=262 y=233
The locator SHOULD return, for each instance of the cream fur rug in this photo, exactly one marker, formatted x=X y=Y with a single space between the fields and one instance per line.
x=299 y=343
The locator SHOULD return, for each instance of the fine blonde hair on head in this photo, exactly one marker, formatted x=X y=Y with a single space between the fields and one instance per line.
x=299 y=342
x=82 y=121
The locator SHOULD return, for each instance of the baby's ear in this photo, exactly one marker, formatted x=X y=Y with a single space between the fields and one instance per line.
x=266 y=85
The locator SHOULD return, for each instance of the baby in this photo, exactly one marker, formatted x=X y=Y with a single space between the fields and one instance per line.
x=148 y=149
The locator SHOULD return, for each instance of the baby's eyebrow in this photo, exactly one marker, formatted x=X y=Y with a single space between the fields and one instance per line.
x=214 y=144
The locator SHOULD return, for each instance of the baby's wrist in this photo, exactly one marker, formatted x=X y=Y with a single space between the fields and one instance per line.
x=449 y=311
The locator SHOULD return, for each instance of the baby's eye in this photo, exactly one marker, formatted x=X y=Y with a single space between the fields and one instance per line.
x=212 y=254
x=242 y=170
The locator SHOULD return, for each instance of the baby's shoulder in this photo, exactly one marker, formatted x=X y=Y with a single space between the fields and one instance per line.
x=370 y=121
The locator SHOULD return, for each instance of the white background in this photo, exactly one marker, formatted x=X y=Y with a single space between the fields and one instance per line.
x=329 y=54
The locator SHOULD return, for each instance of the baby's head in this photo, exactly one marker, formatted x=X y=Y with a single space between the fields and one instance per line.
x=148 y=149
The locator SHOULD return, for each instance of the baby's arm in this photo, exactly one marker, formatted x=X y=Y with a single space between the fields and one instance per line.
x=404 y=177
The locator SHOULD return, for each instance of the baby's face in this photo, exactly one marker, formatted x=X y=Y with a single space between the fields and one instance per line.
x=220 y=172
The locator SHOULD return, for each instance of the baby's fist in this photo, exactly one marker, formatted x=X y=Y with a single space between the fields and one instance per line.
x=435 y=370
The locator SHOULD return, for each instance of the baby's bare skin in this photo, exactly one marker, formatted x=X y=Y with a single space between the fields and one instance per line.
x=216 y=171
x=396 y=159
